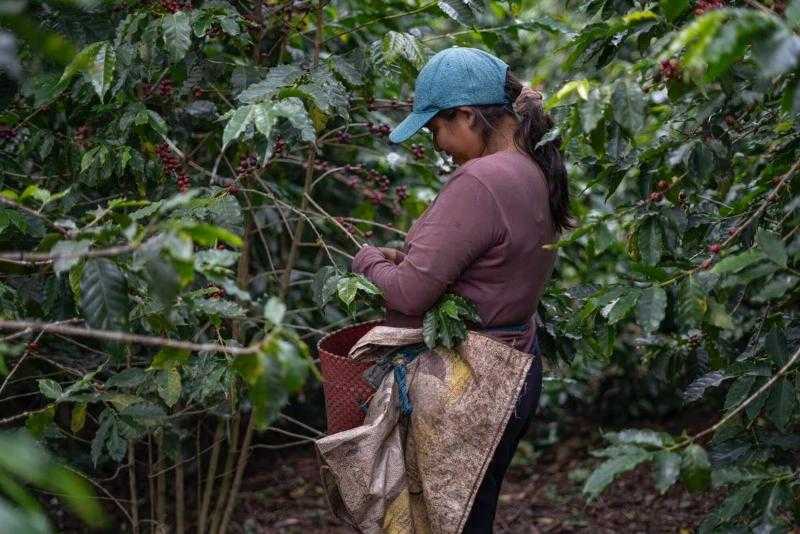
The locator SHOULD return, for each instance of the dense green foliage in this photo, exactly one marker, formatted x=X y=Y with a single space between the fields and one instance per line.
x=174 y=174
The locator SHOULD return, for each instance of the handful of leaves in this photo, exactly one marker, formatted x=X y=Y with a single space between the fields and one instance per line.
x=443 y=325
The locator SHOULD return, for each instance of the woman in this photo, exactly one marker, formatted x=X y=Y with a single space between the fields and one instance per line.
x=482 y=236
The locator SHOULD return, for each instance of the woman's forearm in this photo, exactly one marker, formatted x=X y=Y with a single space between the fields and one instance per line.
x=404 y=289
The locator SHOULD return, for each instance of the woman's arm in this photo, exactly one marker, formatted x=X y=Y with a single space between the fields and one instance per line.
x=462 y=224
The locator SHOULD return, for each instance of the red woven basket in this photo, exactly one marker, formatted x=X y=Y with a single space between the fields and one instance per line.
x=345 y=389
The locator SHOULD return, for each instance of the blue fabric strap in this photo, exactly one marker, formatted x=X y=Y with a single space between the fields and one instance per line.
x=407 y=355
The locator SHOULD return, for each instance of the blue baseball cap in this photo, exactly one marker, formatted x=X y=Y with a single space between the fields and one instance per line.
x=456 y=76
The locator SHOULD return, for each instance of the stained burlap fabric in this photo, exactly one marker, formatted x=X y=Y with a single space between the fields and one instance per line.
x=420 y=474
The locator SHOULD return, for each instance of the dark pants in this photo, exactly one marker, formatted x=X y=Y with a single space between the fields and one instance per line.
x=481 y=517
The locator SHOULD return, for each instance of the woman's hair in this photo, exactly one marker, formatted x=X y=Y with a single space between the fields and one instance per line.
x=534 y=124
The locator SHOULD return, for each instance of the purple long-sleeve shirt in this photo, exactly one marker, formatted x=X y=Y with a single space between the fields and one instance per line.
x=482 y=238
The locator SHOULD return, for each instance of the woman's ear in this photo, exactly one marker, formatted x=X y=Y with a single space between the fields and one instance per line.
x=468 y=116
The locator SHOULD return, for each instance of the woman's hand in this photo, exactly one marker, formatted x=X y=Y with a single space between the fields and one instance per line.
x=392 y=254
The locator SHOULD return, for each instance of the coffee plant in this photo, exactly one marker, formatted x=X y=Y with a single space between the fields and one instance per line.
x=177 y=176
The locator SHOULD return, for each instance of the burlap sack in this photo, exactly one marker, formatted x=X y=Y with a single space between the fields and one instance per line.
x=420 y=474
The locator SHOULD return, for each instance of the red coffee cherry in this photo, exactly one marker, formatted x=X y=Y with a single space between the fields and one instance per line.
x=670 y=68
x=704 y=6
x=401 y=192
x=714 y=248
x=183 y=183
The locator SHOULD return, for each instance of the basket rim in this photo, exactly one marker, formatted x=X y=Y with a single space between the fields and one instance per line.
x=374 y=322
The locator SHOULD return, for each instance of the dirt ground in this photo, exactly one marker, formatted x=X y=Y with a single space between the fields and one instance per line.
x=541 y=493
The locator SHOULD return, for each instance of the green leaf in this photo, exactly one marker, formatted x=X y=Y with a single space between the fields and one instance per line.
x=738 y=391
x=620 y=309
x=718 y=316
x=168 y=385
x=219 y=308
x=792 y=13
x=592 y=111
x=101 y=70
x=50 y=388
x=777 y=287
x=38 y=423
x=67 y=254
x=672 y=9
x=732 y=506
x=696 y=389
x=778 y=53
x=649 y=241
x=177 y=34
x=266 y=115
x=782 y=403
x=77 y=418
x=628 y=106
x=636 y=436
x=326 y=276
x=430 y=331
x=366 y=286
x=169 y=358
x=120 y=400
x=11 y=217
x=754 y=408
x=328 y=93
x=99 y=441
x=444 y=324
x=737 y=262
x=80 y=63
x=667 y=467
x=157 y=122
x=692 y=301
x=346 y=289
x=238 y=123
x=695 y=468
x=276 y=78
x=772 y=246
x=148 y=413
x=274 y=311
x=127 y=378
x=608 y=470
x=402 y=46
x=104 y=295
x=651 y=308
x=346 y=70
x=116 y=444
x=209 y=234
x=461 y=11
x=162 y=278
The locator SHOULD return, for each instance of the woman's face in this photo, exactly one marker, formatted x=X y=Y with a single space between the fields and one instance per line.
x=457 y=137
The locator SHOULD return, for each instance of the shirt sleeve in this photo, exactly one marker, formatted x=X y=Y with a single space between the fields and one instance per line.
x=462 y=223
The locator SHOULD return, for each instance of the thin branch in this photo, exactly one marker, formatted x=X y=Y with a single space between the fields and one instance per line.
x=123 y=337
x=380 y=19
x=772 y=196
x=751 y=398
x=337 y=223
x=34 y=213
x=43 y=258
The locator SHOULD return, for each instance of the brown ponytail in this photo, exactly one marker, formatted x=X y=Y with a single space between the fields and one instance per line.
x=533 y=126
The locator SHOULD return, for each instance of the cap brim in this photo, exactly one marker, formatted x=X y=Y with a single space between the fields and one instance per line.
x=411 y=125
